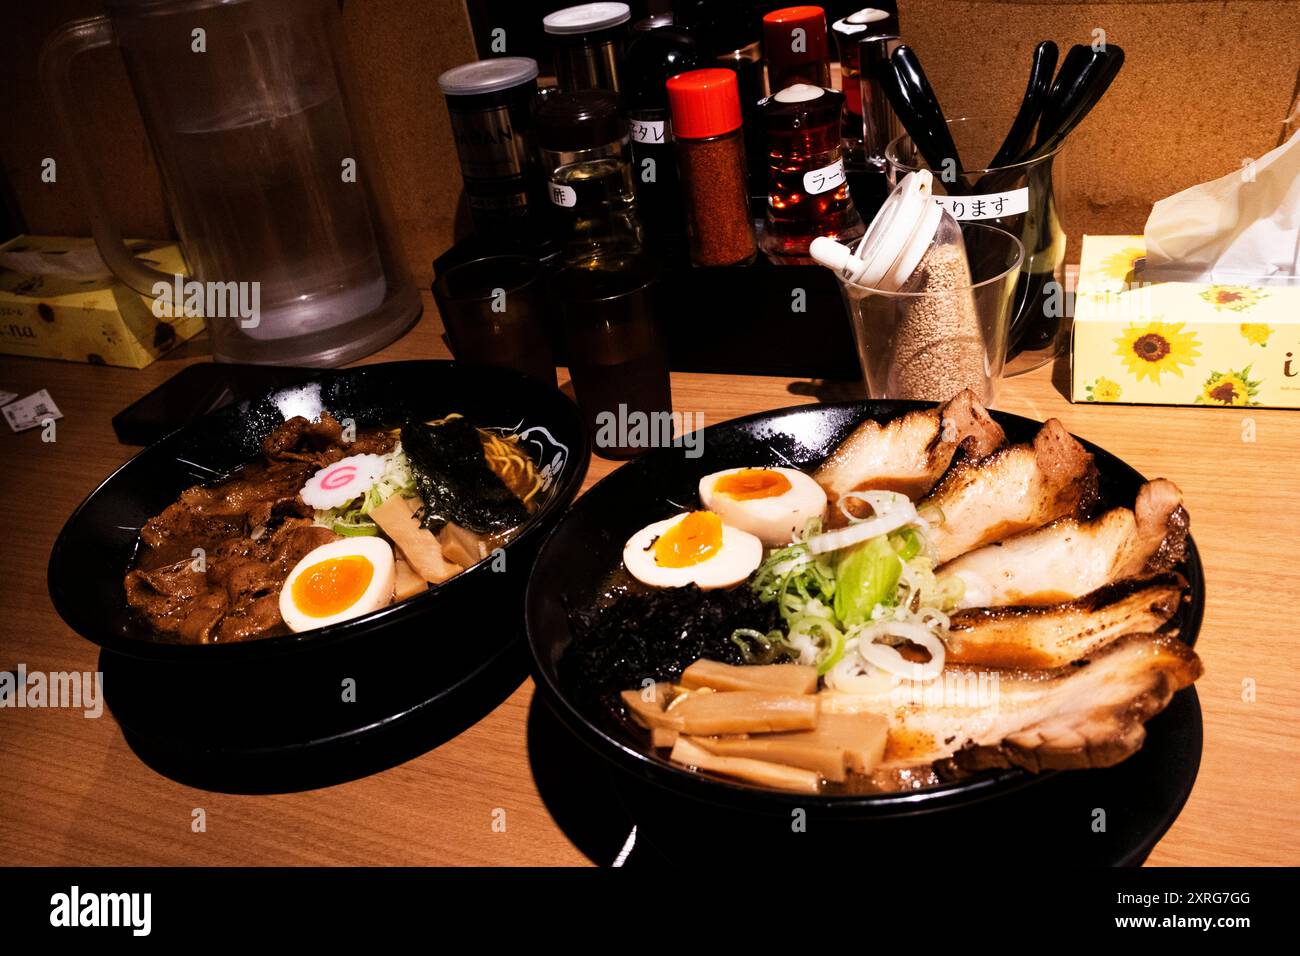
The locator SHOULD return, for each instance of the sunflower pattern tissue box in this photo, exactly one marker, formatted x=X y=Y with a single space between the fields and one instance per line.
x=1179 y=343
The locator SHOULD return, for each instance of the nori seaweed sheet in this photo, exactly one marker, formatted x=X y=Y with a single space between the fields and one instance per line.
x=455 y=481
x=656 y=635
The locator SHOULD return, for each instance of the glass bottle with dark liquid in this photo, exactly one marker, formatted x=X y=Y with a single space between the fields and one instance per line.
x=616 y=354
x=808 y=192
x=652 y=58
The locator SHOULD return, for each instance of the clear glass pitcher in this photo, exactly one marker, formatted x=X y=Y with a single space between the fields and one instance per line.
x=265 y=160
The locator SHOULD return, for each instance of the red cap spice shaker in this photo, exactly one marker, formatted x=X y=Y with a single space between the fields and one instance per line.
x=795 y=47
x=706 y=122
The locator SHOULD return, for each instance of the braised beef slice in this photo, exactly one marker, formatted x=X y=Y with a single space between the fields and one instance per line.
x=251 y=529
x=321 y=442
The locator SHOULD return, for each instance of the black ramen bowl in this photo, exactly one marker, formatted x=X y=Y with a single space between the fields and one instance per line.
x=477 y=609
x=586 y=546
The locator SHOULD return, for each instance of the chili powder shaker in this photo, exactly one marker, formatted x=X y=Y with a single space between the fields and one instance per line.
x=652 y=57
x=808 y=192
x=709 y=140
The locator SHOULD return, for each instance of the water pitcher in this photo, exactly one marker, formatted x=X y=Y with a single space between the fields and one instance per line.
x=263 y=153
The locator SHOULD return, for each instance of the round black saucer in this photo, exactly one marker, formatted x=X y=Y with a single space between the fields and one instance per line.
x=305 y=721
x=1109 y=817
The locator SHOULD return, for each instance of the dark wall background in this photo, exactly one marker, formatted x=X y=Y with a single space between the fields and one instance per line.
x=1206 y=84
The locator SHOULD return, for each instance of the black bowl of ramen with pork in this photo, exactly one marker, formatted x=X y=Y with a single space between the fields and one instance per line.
x=410 y=494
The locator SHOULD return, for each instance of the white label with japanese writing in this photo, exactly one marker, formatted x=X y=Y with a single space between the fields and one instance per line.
x=825 y=179
x=35 y=409
x=646 y=131
x=563 y=195
x=988 y=206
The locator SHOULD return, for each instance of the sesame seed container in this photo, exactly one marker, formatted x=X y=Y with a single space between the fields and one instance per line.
x=929 y=298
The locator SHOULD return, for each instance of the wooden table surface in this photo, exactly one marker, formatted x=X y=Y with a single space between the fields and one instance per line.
x=72 y=792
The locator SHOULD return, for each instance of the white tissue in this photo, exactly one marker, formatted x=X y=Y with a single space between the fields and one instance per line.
x=1244 y=227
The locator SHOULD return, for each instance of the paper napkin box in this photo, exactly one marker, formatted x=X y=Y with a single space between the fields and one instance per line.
x=1179 y=343
x=58 y=300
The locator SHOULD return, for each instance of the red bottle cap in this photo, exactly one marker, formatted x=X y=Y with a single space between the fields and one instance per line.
x=778 y=35
x=704 y=103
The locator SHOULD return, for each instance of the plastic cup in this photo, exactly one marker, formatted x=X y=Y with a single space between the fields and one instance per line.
x=929 y=345
x=495 y=312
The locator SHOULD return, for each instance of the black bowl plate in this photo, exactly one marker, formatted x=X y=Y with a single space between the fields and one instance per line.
x=587 y=544
x=476 y=610
x=288 y=725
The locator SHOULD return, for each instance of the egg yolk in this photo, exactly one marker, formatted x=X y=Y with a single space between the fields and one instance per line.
x=333 y=585
x=751 y=483
x=695 y=538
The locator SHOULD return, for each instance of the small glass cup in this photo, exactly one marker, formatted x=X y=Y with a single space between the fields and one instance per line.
x=1020 y=198
x=930 y=345
x=495 y=312
x=616 y=353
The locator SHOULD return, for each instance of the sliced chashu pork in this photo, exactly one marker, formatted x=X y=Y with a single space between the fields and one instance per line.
x=1056 y=634
x=1088 y=714
x=909 y=453
x=1071 y=558
x=1014 y=490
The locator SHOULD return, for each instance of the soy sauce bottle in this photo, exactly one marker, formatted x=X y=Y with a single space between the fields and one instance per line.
x=652 y=58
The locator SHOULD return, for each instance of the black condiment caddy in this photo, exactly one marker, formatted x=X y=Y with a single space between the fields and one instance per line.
x=758 y=319
x=761 y=317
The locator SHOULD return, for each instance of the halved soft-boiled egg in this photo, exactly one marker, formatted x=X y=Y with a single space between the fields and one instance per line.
x=772 y=503
x=692 y=548
x=338 y=581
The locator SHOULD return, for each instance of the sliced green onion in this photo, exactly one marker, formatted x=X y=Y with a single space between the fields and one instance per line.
x=355 y=530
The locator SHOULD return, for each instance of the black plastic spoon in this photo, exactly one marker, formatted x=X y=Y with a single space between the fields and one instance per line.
x=1086 y=75
x=1077 y=97
x=918 y=109
x=1041 y=69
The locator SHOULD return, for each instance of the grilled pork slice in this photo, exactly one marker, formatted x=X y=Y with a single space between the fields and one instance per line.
x=910 y=453
x=1099 y=712
x=1056 y=634
x=1069 y=558
x=1089 y=714
x=1017 y=489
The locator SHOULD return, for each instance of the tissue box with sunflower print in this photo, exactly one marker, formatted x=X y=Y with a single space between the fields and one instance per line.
x=1179 y=343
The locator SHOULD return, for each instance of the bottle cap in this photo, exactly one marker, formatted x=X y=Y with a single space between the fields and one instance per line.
x=586 y=18
x=488 y=76
x=778 y=35
x=896 y=241
x=704 y=103
x=868 y=21
x=799 y=93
